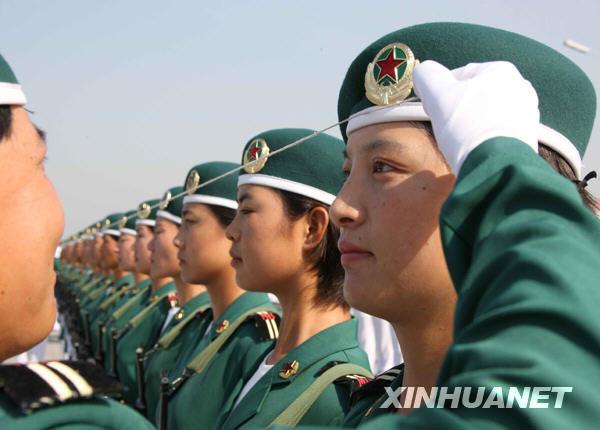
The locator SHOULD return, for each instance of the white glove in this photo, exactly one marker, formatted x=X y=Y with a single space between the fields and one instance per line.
x=474 y=103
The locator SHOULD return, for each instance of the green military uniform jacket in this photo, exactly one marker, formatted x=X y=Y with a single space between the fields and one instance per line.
x=143 y=334
x=161 y=357
x=523 y=253
x=275 y=391
x=71 y=408
x=98 y=312
x=133 y=303
x=197 y=400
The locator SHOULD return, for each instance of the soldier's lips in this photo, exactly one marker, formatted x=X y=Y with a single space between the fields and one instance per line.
x=352 y=253
x=235 y=260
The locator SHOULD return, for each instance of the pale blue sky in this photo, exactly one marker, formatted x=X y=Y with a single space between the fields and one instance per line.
x=134 y=93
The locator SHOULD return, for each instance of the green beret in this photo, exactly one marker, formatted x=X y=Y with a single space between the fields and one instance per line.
x=110 y=224
x=170 y=207
x=146 y=213
x=10 y=90
x=382 y=75
x=127 y=223
x=312 y=169
x=219 y=193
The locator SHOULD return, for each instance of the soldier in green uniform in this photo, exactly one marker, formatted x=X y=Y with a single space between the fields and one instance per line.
x=193 y=300
x=283 y=243
x=139 y=297
x=520 y=245
x=239 y=327
x=32 y=223
x=143 y=327
x=102 y=297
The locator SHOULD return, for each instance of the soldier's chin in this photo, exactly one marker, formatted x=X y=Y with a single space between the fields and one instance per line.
x=247 y=283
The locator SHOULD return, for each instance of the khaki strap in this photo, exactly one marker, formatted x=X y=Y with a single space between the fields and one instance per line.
x=298 y=408
x=198 y=364
x=121 y=311
x=136 y=319
x=91 y=284
x=96 y=293
x=166 y=339
x=114 y=297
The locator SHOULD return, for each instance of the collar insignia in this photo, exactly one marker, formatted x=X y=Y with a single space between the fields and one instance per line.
x=223 y=325
x=289 y=369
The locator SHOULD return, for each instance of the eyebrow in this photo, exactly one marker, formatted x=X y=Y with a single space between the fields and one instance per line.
x=243 y=197
x=379 y=144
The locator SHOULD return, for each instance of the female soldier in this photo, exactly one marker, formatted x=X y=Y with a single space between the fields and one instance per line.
x=193 y=299
x=284 y=244
x=237 y=329
x=520 y=245
x=31 y=226
x=143 y=329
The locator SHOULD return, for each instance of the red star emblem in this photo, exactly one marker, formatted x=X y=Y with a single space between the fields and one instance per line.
x=254 y=151
x=388 y=65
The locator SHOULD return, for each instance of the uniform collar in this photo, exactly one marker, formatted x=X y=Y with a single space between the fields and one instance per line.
x=240 y=305
x=127 y=279
x=167 y=288
x=316 y=348
x=196 y=302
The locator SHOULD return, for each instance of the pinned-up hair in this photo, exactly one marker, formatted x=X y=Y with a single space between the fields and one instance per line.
x=325 y=258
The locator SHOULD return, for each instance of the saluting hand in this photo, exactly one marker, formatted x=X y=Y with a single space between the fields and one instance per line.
x=474 y=103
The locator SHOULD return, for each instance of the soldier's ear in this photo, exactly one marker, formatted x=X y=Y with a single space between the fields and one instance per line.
x=317 y=221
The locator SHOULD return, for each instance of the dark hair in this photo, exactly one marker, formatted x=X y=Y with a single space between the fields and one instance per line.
x=325 y=257
x=224 y=215
x=5 y=121
x=559 y=164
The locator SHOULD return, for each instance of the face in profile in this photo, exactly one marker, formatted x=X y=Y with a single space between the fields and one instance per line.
x=388 y=211
x=267 y=246
x=126 y=255
x=31 y=225
x=140 y=249
x=163 y=259
x=109 y=252
x=203 y=249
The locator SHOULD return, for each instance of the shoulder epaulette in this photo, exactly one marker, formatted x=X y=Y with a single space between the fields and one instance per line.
x=36 y=385
x=267 y=324
x=376 y=386
x=352 y=382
